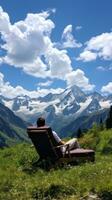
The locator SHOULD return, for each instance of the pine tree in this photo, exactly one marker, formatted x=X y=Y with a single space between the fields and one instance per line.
x=109 y=119
x=79 y=133
x=101 y=126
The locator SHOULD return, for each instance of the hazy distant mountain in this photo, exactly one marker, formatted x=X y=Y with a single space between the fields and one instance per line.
x=83 y=122
x=59 y=109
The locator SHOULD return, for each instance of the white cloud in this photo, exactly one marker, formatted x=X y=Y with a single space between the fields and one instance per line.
x=78 y=78
x=104 y=68
x=4 y=21
x=1 y=78
x=73 y=78
x=59 y=63
x=101 y=68
x=68 y=40
x=43 y=92
x=100 y=45
x=87 y=56
x=78 y=28
x=26 y=41
x=28 y=45
x=1 y=61
x=10 y=92
x=107 y=88
x=45 y=84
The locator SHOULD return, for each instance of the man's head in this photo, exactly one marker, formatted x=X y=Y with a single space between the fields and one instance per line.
x=40 y=121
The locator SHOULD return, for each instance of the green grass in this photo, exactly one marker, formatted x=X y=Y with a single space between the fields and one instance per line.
x=20 y=180
x=101 y=141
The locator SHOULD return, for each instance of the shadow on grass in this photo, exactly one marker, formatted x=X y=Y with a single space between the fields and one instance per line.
x=53 y=192
x=46 y=165
x=105 y=195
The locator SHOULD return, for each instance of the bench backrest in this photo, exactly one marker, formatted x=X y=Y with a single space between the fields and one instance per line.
x=44 y=142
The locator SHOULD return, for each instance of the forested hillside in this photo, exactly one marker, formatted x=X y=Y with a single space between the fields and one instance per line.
x=12 y=128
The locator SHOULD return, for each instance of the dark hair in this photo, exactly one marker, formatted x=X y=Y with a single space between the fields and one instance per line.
x=40 y=121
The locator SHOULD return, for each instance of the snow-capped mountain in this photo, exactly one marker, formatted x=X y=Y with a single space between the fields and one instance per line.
x=58 y=109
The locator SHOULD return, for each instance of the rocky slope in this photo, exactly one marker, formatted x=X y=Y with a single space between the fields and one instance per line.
x=60 y=110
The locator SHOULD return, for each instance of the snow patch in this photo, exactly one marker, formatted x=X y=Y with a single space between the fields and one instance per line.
x=8 y=104
x=84 y=105
x=105 y=104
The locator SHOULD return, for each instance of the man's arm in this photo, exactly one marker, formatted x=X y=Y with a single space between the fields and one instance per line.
x=61 y=142
x=58 y=139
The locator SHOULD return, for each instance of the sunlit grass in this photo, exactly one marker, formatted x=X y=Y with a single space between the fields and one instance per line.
x=20 y=180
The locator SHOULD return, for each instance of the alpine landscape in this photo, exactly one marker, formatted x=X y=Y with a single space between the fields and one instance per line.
x=56 y=63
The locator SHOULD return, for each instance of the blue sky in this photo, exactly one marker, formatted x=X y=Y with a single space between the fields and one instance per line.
x=48 y=45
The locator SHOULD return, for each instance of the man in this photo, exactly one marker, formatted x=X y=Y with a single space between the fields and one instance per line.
x=73 y=143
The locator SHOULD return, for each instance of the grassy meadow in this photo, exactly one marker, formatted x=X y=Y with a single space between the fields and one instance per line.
x=21 y=180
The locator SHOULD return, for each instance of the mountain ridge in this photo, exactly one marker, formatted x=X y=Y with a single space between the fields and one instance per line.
x=59 y=109
x=12 y=128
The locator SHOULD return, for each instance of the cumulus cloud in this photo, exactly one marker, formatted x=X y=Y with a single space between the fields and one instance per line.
x=68 y=40
x=4 y=21
x=78 y=78
x=26 y=41
x=87 y=56
x=28 y=46
x=59 y=63
x=99 y=46
x=73 y=78
x=9 y=91
x=107 y=88
x=43 y=92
